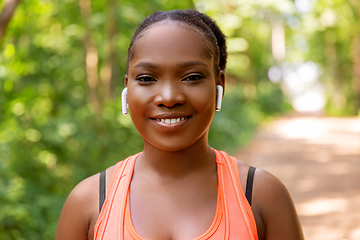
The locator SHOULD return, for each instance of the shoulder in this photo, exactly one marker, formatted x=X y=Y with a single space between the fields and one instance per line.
x=84 y=196
x=273 y=207
x=78 y=210
x=81 y=209
x=85 y=188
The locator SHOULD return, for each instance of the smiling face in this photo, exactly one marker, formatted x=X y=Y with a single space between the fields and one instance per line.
x=172 y=86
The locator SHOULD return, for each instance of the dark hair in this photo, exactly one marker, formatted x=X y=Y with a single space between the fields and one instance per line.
x=216 y=46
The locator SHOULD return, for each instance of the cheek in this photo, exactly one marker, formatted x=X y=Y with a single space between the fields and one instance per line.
x=203 y=99
x=138 y=102
x=138 y=98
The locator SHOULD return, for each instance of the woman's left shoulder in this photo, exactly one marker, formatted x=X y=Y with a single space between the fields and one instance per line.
x=272 y=205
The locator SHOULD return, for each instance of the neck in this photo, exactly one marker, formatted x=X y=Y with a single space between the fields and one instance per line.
x=199 y=156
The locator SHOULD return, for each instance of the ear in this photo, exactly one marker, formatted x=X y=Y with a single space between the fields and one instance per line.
x=220 y=80
x=126 y=80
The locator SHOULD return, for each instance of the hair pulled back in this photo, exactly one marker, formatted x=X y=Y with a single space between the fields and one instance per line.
x=201 y=22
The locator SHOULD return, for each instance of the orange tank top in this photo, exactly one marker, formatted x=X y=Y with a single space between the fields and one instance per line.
x=233 y=220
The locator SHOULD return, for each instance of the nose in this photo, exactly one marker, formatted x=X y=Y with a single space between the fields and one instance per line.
x=169 y=95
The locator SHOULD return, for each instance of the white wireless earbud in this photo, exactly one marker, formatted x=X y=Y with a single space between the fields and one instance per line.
x=220 y=91
x=124 y=101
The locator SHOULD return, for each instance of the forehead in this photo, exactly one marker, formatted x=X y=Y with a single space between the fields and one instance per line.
x=175 y=41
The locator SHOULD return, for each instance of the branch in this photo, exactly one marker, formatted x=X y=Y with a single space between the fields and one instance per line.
x=6 y=15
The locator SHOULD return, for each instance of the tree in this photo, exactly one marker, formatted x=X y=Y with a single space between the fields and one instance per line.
x=7 y=12
x=332 y=30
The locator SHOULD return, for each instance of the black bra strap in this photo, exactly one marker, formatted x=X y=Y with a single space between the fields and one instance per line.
x=102 y=189
x=249 y=184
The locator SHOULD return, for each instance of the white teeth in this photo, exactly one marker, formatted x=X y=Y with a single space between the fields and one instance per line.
x=170 y=120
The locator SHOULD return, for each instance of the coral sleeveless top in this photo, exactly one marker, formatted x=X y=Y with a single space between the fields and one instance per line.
x=233 y=220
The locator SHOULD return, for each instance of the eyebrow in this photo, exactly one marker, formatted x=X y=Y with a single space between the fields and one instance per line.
x=192 y=63
x=146 y=65
x=182 y=65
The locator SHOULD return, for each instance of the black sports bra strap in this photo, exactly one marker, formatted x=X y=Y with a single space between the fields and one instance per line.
x=249 y=184
x=102 y=189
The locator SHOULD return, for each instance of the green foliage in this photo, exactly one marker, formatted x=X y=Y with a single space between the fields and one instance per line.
x=331 y=32
x=51 y=137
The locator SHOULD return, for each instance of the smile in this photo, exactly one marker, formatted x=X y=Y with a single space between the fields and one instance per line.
x=170 y=121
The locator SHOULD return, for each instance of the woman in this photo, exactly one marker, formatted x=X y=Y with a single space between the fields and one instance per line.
x=178 y=187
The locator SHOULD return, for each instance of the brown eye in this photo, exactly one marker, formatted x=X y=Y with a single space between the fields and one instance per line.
x=194 y=77
x=145 y=79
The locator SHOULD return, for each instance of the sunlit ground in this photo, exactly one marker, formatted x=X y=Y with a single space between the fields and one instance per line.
x=318 y=159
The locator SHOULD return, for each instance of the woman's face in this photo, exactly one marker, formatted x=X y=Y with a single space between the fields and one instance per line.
x=171 y=87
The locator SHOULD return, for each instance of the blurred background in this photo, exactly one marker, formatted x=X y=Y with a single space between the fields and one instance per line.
x=293 y=70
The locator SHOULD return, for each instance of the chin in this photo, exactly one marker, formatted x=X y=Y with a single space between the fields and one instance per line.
x=176 y=145
x=170 y=147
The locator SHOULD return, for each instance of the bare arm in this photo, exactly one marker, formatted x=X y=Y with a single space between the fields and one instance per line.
x=79 y=211
x=274 y=209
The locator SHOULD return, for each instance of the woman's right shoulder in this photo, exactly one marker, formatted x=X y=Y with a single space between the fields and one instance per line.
x=85 y=189
x=85 y=192
x=88 y=189
x=81 y=208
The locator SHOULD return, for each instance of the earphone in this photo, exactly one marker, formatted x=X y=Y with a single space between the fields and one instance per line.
x=220 y=91
x=124 y=101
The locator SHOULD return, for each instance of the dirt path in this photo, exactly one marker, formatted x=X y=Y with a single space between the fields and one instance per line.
x=318 y=159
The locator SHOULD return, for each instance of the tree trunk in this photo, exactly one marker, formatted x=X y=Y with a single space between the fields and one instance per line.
x=355 y=7
x=92 y=58
x=107 y=71
x=6 y=15
x=356 y=72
